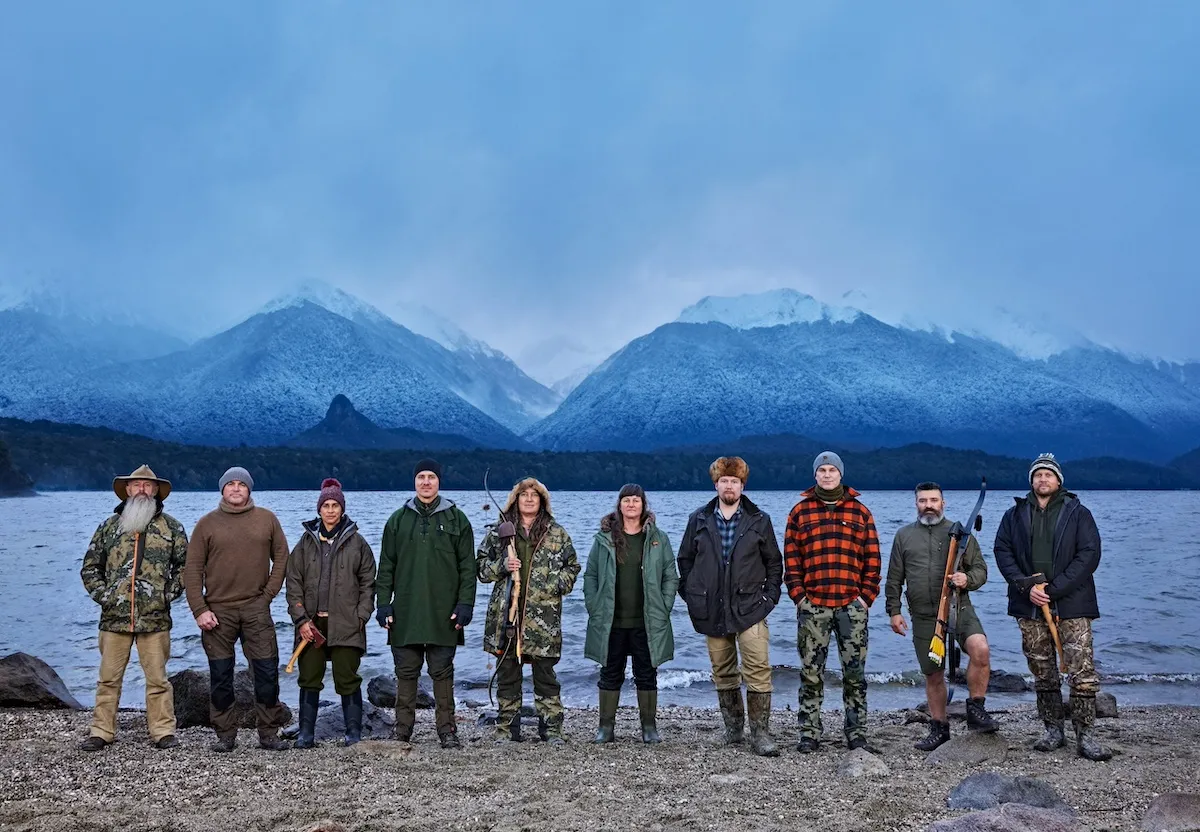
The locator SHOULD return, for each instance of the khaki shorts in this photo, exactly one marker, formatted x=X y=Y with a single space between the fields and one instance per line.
x=922 y=630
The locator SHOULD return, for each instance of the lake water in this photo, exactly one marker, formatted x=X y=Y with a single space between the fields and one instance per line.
x=1146 y=641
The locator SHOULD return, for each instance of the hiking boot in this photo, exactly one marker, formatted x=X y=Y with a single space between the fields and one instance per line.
x=609 y=699
x=169 y=741
x=808 y=745
x=648 y=714
x=979 y=720
x=939 y=733
x=352 y=715
x=309 y=702
x=758 y=709
x=449 y=739
x=1083 y=718
x=1050 y=709
x=94 y=743
x=855 y=743
x=734 y=714
x=551 y=730
x=272 y=742
x=224 y=744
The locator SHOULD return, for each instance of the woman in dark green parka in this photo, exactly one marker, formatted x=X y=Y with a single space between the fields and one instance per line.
x=629 y=588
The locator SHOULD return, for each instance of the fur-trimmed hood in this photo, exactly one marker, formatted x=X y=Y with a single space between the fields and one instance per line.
x=521 y=485
x=611 y=521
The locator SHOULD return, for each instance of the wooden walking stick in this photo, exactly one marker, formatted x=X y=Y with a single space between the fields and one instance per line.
x=317 y=640
x=1053 y=625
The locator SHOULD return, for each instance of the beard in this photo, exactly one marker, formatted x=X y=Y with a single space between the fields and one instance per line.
x=728 y=498
x=931 y=518
x=137 y=514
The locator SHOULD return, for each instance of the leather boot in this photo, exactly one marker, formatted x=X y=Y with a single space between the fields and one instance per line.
x=1083 y=718
x=309 y=702
x=648 y=712
x=979 y=720
x=939 y=732
x=609 y=699
x=734 y=714
x=269 y=740
x=758 y=710
x=406 y=709
x=443 y=703
x=1050 y=709
x=352 y=715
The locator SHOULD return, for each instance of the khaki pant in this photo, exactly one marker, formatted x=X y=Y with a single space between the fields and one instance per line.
x=754 y=645
x=153 y=651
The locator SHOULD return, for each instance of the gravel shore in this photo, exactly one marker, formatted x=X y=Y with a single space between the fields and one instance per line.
x=687 y=783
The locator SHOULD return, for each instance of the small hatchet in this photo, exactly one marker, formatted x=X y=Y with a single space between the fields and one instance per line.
x=317 y=641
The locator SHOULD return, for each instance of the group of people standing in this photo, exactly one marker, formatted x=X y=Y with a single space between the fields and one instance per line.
x=729 y=570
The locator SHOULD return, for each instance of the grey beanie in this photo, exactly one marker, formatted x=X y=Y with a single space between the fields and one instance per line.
x=1048 y=462
x=236 y=473
x=829 y=458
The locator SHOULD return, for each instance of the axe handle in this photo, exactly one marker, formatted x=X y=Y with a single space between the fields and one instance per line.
x=514 y=602
x=291 y=665
x=1062 y=659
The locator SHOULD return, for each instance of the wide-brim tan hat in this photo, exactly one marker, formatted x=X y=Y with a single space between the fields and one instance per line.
x=142 y=473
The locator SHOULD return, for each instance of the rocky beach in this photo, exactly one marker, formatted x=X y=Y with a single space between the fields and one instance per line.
x=687 y=783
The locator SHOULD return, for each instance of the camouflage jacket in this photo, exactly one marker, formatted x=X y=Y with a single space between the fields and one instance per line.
x=135 y=577
x=552 y=575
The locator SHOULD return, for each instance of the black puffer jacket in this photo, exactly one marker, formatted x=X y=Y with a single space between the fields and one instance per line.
x=1076 y=555
x=724 y=599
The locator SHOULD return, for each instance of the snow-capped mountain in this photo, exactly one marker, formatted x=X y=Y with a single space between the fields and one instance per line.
x=789 y=364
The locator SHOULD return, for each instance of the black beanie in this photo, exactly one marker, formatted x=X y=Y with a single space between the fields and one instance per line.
x=428 y=465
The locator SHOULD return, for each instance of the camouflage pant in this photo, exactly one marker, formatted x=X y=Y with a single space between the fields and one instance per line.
x=814 y=626
x=1076 y=637
x=546 y=693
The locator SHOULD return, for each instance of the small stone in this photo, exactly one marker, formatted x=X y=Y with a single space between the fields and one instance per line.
x=862 y=763
x=1011 y=817
x=1174 y=812
x=1106 y=706
x=326 y=826
x=970 y=749
x=912 y=715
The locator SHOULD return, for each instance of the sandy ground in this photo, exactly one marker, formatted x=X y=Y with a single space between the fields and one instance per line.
x=687 y=783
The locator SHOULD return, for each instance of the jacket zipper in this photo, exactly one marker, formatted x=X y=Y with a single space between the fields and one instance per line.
x=138 y=542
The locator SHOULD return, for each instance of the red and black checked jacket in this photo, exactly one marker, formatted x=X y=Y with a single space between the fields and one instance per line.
x=831 y=553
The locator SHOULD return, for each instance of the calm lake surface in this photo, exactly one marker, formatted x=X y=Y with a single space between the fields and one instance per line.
x=1146 y=642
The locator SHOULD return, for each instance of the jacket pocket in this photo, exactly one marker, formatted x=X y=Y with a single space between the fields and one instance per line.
x=697 y=603
x=746 y=604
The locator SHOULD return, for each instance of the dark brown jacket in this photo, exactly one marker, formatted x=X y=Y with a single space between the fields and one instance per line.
x=351 y=587
x=233 y=556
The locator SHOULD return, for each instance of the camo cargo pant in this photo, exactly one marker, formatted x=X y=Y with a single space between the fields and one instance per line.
x=814 y=626
x=1076 y=637
x=547 y=699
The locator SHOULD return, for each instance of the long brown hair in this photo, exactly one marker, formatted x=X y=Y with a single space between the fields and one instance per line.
x=541 y=523
x=618 y=524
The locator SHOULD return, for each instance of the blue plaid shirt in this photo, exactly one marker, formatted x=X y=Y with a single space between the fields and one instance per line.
x=728 y=530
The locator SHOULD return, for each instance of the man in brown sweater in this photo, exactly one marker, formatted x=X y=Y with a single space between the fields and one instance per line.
x=235 y=566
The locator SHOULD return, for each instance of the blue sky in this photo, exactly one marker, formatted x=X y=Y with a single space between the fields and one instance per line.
x=550 y=170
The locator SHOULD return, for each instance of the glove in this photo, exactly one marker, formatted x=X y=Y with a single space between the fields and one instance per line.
x=463 y=615
x=383 y=614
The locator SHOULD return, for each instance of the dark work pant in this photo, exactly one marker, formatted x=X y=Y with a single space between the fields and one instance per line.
x=546 y=689
x=623 y=644
x=345 y=662
x=251 y=623
x=440 y=661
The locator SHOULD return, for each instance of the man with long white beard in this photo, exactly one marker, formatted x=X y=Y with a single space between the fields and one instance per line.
x=918 y=558
x=134 y=569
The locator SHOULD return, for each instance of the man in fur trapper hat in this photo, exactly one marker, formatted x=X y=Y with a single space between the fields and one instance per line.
x=134 y=569
x=730 y=571
x=542 y=558
x=1051 y=533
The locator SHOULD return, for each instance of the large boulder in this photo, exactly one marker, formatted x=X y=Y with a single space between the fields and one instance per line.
x=989 y=789
x=28 y=682
x=381 y=691
x=192 y=701
x=331 y=725
x=971 y=750
x=1000 y=682
x=1011 y=817
x=1173 y=812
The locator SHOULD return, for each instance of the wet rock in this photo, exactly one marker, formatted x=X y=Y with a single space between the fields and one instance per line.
x=862 y=763
x=970 y=749
x=912 y=715
x=381 y=692
x=1011 y=817
x=28 y=682
x=1003 y=682
x=378 y=723
x=989 y=789
x=192 y=702
x=1106 y=705
x=955 y=710
x=1175 y=812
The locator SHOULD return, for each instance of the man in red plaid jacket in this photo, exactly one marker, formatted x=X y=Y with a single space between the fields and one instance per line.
x=831 y=568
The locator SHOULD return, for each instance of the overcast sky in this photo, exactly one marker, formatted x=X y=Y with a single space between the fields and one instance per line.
x=586 y=170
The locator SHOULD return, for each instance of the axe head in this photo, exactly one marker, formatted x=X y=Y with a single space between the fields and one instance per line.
x=1026 y=584
x=506 y=531
x=317 y=639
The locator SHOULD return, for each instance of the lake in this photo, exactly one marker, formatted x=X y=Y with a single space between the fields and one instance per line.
x=1146 y=647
